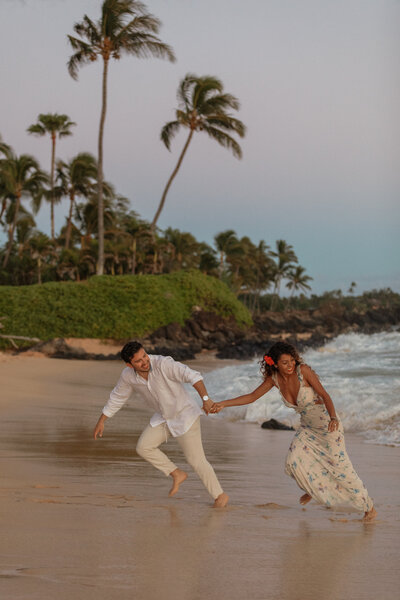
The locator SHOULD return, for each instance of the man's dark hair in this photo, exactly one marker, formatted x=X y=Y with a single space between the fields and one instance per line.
x=129 y=350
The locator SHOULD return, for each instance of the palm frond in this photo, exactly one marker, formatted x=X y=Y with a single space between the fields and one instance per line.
x=221 y=102
x=224 y=140
x=37 y=129
x=227 y=123
x=168 y=132
x=183 y=117
x=203 y=87
x=141 y=24
x=85 y=54
x=183 y=94
x=87 y=29
x=145 y=46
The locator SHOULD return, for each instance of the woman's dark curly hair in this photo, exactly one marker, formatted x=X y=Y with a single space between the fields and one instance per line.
x=274 y=354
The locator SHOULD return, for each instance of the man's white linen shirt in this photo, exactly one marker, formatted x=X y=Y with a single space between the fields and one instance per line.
x=163 y=392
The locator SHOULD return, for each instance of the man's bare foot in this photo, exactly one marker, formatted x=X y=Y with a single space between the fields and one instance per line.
x=369 y=515
x=221 y=501
x=179 y=477
x=305 y=499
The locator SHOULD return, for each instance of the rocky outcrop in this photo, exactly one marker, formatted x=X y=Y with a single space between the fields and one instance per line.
x=274 y=424
x=208 y=331
x=59 y=348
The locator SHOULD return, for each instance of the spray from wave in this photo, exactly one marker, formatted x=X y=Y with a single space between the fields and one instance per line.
x=360 y=372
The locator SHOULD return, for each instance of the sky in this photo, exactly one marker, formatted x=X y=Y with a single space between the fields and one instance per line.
x=319 y=86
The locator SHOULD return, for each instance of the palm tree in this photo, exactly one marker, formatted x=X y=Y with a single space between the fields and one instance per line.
x=137 y=234
x=76 y=178
x=4 y=148
x=238 y=258
x=352 y=287
x=123 y=28
x=52 y=124
x=224 y=242
x=298 y=280
x=203 y=106
x=42 y=248
x=263 y=270
x=208 y=260
x=6 y=151
x=87 y=214
x=285 y=256
x=19 y=177
x=184 y=248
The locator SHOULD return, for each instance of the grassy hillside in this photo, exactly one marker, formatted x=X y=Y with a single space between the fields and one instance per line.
x=113 y=306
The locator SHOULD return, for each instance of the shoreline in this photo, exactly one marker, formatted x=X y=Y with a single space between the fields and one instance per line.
x=91 y=520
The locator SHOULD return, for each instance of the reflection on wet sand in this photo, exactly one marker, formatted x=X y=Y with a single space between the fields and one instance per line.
x=322 y=563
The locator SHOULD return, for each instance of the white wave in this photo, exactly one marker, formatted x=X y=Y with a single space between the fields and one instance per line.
x=360 y=372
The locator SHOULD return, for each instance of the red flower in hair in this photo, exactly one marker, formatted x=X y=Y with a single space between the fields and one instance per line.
x=269 y=360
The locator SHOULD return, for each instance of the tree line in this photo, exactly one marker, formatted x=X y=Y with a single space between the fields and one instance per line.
x=102 y=234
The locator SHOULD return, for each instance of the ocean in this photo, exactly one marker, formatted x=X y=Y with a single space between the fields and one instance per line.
x=360 y=372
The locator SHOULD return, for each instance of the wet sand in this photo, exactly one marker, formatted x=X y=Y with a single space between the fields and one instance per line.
x=90 y=520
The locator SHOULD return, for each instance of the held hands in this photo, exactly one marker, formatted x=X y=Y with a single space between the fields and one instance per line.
x=211 y=407
x=207 y=406
x=216 y=407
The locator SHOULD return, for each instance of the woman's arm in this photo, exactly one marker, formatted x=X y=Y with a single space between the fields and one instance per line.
x=246 y=398
x=313 y=380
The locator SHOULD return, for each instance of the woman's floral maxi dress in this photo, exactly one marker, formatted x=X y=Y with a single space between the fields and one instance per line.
x=317 y=459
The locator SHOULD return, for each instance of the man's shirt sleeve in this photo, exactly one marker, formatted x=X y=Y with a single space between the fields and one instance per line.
x=118 y=396
x=179 y=372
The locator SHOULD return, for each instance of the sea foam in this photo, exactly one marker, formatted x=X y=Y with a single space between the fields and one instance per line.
x=360 y=372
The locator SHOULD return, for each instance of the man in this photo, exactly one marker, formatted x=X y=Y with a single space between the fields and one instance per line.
x=159 y=379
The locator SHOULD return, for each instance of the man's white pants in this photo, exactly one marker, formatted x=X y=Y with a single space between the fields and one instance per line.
x=191 y=444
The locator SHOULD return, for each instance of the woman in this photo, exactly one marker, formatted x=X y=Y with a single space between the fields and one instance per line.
x=317 y=457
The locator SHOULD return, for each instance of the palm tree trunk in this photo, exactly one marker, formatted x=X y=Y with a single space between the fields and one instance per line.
x=275 y=294
x=69 y=223
x=39 y=264
x=221 y=263
x=3 y=208
x=53 y=159
x=134 y=244
x=170 y=180
x=155 y=258
x=12 y=230
x=100 y=216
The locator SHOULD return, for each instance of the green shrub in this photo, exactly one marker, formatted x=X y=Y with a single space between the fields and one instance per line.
x=115 y=307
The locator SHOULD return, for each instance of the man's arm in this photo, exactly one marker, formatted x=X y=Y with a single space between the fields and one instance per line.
x=177 y=371
x=117 y=399
x=201 y=390
x=99 y=429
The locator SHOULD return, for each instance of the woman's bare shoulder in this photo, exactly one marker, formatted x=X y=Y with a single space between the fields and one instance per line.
x=307 y=371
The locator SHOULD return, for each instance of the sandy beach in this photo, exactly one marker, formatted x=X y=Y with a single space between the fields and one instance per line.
x=90 y=520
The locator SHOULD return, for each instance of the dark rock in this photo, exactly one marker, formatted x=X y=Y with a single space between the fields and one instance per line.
x=194 y=329
x=208 y=321
x=219 y=339
x=177 y=353
x=173 y=332
x=274 y=424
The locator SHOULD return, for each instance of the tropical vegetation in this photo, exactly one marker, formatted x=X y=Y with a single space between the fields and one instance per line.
x=102 y=234
x=113 y=306
x=124 y=27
